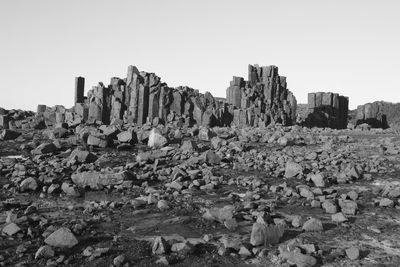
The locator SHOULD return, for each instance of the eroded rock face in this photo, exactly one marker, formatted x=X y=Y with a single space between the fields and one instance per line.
x=262 y=99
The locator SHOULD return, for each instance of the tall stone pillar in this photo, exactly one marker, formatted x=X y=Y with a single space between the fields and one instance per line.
x=132 y=93
x=154 y=102
x=79 y=90
x=142 y=104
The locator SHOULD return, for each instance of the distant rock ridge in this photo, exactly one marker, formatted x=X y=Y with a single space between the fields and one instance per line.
x=142 y=98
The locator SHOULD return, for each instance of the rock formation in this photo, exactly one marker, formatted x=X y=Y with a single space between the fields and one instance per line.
x=262 y=99
x=327 y=110
x=374 y=114
x=140 y=98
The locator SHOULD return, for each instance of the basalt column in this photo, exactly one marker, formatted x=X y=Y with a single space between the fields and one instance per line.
x=132 y=93
x=263 y=99
x=143 y=104
x=154 y=96
x=79 y=90
x=327 y=110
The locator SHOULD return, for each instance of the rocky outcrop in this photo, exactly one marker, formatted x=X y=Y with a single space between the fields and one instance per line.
x=327 y=110
x=17 y=119
x=139 y=98
x=262 y=99
x=378 y=114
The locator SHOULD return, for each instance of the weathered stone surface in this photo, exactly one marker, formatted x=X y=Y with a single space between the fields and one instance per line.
x=96 y=180
x=61 y=238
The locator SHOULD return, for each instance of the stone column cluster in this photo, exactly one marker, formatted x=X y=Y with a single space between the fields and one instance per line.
x=142 y=98
x=373 y=114
x=327 y=110
x=262 y=99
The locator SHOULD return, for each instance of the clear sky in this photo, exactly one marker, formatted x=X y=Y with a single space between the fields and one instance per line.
x=351 y=47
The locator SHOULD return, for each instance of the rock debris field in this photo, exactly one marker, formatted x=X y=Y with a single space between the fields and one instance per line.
x=140 y=174
x=279 y=196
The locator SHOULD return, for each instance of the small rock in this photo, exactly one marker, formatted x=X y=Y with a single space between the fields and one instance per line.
x=353 y=253
x=292 y=169
x=297 y=221
x=119 y=260
x=44 y=148
x=156 y=139
x=211 y=157
x=339 y=218
x=313 y=225
x=29 y=184
x=182 y=248
x=62 y=238
x=318 y=179
x=162 y=205
x=298 y=259
x=205 y=134
x=231 y=224
x=348 y=206
x=160 y=246
x=44 y=252
x=329 y=207
x=11 y=229
x=386 y=202
x=245 y=252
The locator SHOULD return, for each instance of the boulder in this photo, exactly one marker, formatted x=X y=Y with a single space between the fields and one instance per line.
x=156 y=139
x=96 y=180
x=293 y=169
x=9 y=135
x=44 y=148
x=61 y=238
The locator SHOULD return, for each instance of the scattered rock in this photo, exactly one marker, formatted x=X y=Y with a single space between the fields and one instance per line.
x=61 y=238
x=156 y=139
x=313 y=225
x=292 y=169
x=11 y=229
x=353 y=253
x=44 y=252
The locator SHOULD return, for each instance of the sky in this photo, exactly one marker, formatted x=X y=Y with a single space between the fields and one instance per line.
x=347 y=47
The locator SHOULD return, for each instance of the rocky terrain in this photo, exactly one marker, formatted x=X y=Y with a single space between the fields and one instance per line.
x=141 y=174
x=275 y=196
